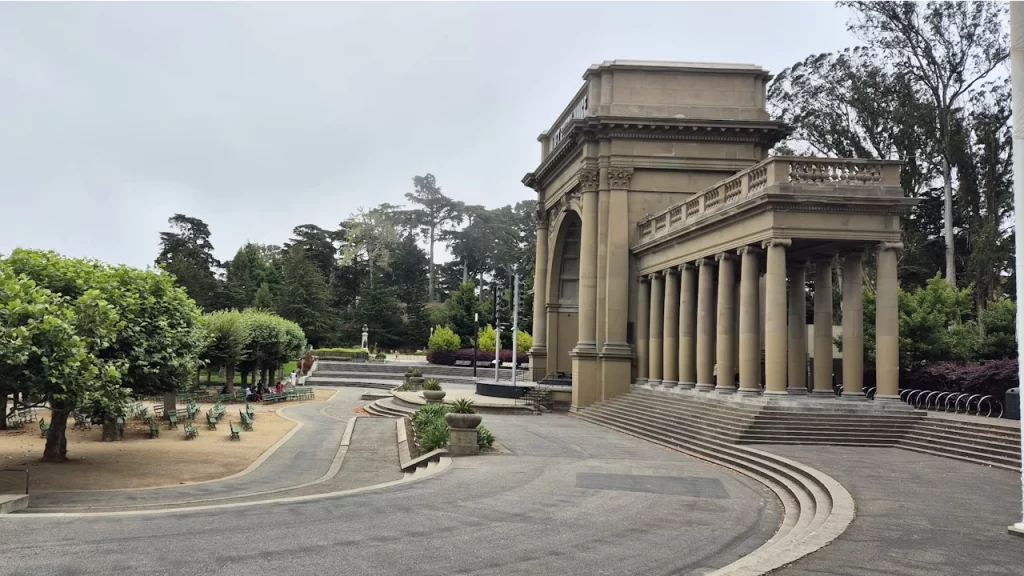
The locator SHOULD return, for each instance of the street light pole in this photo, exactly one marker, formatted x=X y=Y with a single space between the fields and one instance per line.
x=1017 y=120
x=476 y=339
x=515 y=326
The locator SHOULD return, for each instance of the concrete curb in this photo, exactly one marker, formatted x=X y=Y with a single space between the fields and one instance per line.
x=421 y=474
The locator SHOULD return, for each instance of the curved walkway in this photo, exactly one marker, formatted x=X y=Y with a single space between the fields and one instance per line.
x=917 y=514
x=564 y=496
x=305 y=457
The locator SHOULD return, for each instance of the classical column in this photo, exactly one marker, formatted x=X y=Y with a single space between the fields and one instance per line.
x=775 y=332
x=853 y=327
x=587 y=338
x=670 y=370
x=687 y=326
x=750 y=321
x=887 y=323
x=616 y=355
x=823 y=326
x=657 y=328
x=585 y=383
x=726 y=324
x=797 y=369
x=643 y=332
x=705 y=325
x=538 y=353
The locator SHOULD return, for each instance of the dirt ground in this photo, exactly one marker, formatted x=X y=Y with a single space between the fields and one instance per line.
x=139 y=461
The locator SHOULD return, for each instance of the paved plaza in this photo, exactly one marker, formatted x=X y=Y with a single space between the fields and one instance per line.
x=561 y=496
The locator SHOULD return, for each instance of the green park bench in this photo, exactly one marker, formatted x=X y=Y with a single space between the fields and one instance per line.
x=191 y=431
x=274 y=398
x=144 y=415
x=44 y=428
x=246 y=420
x=158 y=410
x=227 y=398
x=81 y=422
x=211 y=422
x=154 y=429
x=27 y=415
x=236 y=432
x=14 y=422
x=250 y=411
x=172 y=421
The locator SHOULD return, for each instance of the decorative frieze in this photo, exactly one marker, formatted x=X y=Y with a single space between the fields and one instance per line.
x=619 y=177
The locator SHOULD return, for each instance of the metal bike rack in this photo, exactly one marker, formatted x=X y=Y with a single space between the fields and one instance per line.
x=979 y=404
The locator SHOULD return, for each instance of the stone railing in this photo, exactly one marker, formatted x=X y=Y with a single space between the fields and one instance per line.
x=575 y=111
x=819 y=173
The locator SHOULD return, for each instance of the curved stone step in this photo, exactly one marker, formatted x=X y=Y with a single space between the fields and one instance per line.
x=817 y=508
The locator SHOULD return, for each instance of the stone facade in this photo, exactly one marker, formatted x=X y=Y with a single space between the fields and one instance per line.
x=669 y=243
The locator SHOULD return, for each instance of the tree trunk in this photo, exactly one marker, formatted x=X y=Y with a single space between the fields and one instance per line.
x=947 y=216
x=3 y=407
x=431 y=287
x=245 y=378
x=110 y=432
x=229 y=375
x=208 y=376
x=199 y=372
x=264 y=376
x=170 y=403
x=56 y=449
x=465 y=272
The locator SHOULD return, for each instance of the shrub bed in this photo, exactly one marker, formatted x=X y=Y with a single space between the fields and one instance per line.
x=992 y=377
x=450 y=357
x=430 y=430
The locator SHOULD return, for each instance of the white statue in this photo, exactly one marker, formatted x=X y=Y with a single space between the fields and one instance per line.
x=366 y=338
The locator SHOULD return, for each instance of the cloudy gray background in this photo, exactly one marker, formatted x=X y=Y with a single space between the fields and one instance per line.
x=259 y=117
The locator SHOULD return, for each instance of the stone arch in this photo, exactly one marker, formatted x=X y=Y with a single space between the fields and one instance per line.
x=568 y=226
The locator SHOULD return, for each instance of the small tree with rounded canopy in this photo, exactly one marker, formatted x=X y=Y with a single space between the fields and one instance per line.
x=228 y=339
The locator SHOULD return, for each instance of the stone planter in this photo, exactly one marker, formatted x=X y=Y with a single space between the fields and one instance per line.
x=416 y=382
x=433 y=396
x=463 y=421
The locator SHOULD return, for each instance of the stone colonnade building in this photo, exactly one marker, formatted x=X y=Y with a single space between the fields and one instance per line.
x=673 y=252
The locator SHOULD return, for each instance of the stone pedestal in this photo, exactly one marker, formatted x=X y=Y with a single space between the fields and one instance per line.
x=462 y=442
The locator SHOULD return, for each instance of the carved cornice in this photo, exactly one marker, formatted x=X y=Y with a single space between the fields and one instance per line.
x=761 y=132
x=897 y=246
x=619 y=177
x=588 y=179
x=748 y=250
x=724 y=256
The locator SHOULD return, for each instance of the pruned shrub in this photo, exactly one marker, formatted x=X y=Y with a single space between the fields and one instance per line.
x=443 y=338
x=484 y=438
x=991 y=377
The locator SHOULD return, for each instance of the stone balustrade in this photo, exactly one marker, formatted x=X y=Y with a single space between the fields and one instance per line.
x=806 y=175
x=575 y=111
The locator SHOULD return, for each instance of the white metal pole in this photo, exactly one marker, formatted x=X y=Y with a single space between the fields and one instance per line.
x=1017 y=84
x=497 y=344
x=515 y=324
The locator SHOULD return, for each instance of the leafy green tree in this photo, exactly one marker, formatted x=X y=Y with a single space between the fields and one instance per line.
x=317 y=245
x=227 y=343
x=272 y=341
x=154 y=347
x=305 y=298
x=253 y=267
x=379 y=311
x=461 y=307
x=945 y=49
x=372 y=235
x=999 y=339
x=187 y=253
x=436 y=212
x=443 y=338
x=263 y=298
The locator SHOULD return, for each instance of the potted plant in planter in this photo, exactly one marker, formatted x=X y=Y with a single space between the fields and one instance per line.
x=462 y=415
x=432 y=392
x=414 y=378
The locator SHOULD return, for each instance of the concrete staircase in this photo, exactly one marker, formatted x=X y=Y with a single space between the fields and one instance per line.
x=389 y=408
x=711 y=419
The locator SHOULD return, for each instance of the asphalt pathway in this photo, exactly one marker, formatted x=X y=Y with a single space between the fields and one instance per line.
x=564 y=497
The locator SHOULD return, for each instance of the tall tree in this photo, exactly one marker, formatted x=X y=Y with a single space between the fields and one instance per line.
x=371 y=235
x=187 y=253
x=854 y=104
x=436 y=213
x=318 y=246
x=945 y=49
x=305 y=298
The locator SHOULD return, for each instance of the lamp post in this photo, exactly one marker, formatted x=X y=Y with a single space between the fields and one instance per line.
x=1017 y=120
x=476 y=340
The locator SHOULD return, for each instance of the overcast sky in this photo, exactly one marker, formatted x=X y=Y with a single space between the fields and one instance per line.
x=260 y=117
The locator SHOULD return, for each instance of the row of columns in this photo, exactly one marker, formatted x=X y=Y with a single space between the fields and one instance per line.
x=687 y=328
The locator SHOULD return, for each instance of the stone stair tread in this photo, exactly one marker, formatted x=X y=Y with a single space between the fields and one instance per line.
x=916 y=448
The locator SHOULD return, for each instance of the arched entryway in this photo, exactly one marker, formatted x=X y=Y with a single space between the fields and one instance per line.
x=563 y=293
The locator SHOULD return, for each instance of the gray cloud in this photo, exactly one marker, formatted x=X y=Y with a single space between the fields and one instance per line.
x=259 y=117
